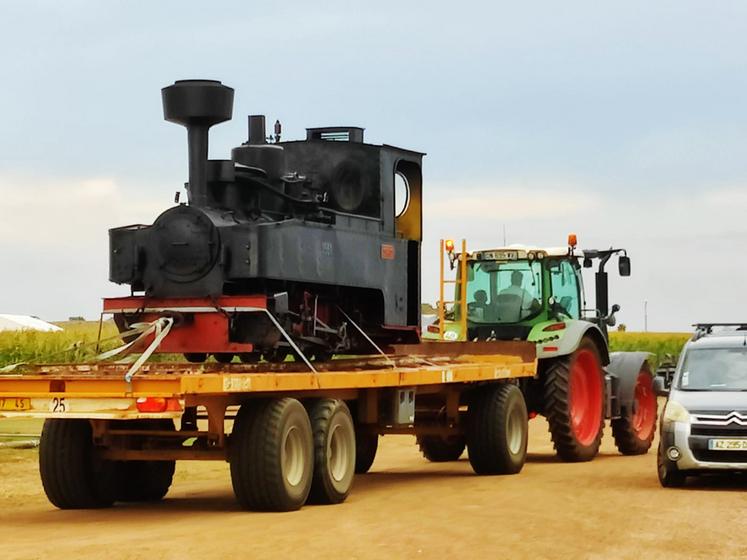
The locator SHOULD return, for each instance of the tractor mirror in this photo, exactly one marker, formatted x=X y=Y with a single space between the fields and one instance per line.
x=587 y=262
x=624 y=265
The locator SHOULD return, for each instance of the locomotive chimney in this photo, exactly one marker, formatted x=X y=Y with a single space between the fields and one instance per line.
x=257 y=129
x=197 y=105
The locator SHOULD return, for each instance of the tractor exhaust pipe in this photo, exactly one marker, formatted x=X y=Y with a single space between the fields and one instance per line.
x=197 y=105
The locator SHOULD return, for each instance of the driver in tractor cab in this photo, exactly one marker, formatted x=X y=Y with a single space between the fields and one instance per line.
x=514 y=302
x=477 y=309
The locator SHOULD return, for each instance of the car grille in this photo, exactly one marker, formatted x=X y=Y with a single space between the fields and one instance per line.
x=720 y=456
x=732 y=430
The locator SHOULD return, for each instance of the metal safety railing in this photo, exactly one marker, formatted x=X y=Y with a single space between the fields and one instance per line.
x=460 y=285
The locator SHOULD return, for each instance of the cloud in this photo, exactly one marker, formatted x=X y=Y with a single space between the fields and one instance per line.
x=51 y=212
x=509 y=202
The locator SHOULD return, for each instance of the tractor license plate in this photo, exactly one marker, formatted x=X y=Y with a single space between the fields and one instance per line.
x=728 y=444
x=14 y=404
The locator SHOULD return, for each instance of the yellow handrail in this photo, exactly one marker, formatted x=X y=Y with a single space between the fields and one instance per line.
x=461 y=282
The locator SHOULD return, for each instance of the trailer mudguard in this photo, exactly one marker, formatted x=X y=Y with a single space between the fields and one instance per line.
x=626 y=366
x=557 y=343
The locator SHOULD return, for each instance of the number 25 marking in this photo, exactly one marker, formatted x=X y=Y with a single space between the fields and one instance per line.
x=58 y=404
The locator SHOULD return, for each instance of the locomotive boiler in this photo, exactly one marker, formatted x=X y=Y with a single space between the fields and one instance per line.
x=288 y=244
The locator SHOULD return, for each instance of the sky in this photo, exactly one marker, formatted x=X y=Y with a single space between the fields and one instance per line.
x=625 y=123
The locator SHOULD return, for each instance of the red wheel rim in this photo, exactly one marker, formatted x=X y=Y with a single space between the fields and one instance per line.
x=644 y=416
x=586 y=396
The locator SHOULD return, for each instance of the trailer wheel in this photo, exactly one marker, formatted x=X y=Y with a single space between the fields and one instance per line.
x=440 y=450
x=366 y=446
x=72 y=475
x=334 y=451
x=634 y=431
x=271 y=455
x=146 y=481
x=497 y=430
x=669 y=476
x=574 y=403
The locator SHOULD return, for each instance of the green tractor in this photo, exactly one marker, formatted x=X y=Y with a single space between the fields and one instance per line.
x=536 y=294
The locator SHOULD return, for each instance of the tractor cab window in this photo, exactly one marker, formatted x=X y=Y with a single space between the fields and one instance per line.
x=503 y=292
x=565 y=288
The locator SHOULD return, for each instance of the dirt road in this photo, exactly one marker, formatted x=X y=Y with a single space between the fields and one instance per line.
x=612 y=507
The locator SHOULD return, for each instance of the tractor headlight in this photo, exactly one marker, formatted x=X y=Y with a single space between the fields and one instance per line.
x=675 y=412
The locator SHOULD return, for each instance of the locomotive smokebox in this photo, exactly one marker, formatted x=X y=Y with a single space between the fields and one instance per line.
x=197 y=105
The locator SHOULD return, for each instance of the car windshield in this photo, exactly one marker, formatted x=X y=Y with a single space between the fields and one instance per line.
x=503 y=292
x=714 y=369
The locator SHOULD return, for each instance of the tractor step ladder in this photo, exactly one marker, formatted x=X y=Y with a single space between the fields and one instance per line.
x=460 y=305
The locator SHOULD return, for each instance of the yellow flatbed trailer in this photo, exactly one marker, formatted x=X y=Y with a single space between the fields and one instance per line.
x=295 y=434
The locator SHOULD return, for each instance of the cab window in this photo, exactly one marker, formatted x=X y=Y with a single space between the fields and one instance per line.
x=564 y=286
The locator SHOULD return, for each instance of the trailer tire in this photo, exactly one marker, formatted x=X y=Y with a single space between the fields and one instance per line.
x=271 y=455
x=576 y=422
x=634 y=430
x=441 y=450
x=334 y=451
x=72 y=476
x=366 y=445
x=147 y=481
x=497 y=430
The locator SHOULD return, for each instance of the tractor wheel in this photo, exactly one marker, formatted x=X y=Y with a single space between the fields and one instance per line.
x=669 y=476
x=497 y=430
x=635 y=430
x=440 y=450
x=365 y=451
x=334 y=451
x=72 y=476
x=272 y=455
x=574 y=403
x=146 y=481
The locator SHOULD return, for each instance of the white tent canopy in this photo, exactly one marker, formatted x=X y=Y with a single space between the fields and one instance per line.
x=25 y=322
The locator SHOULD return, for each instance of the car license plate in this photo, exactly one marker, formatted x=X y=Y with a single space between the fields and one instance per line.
x=728 y=444
x=14 y=404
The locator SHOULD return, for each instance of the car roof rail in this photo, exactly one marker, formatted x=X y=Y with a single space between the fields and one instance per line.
x=704 y=329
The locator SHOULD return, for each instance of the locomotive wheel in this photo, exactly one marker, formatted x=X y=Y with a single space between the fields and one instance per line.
x=440 y=450
x=334 y=451
x=574 y=403
x=634 y=431
x=250 y=357
x=72 y=476
x=497 y=430
x=272 y=455
x=195 y=357
x=146 y=481
x=223 y=357
x=277 y=355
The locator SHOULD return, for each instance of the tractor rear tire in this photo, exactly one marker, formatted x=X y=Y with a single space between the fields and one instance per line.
x=272 y=455
x=146 y=481
x=441 y=450
x=497 y=430
x=334 y=451
x=72 y=475
x=574 y=403
x=634 y=431
x=366 y=446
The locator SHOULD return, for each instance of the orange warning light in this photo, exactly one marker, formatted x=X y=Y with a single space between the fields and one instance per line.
x=449 y=245
x=572 y=241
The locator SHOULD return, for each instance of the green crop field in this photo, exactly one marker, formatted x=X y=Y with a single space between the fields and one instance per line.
x=77 y=343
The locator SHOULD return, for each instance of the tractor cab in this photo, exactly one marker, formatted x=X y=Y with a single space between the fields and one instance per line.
x=517 y=291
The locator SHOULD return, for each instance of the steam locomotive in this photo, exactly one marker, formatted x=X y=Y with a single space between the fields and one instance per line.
x=288 y=244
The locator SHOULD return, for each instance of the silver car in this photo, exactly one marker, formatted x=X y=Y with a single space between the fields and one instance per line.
x=704 y=424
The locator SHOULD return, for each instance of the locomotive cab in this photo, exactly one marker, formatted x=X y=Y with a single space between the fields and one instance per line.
x=306 y=229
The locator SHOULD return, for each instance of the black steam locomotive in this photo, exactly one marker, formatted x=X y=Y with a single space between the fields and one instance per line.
x=286 y=241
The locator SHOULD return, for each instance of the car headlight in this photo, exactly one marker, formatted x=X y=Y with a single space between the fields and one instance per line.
x=675 y=412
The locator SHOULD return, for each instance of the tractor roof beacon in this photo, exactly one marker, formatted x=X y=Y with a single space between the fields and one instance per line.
x=536 y=294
